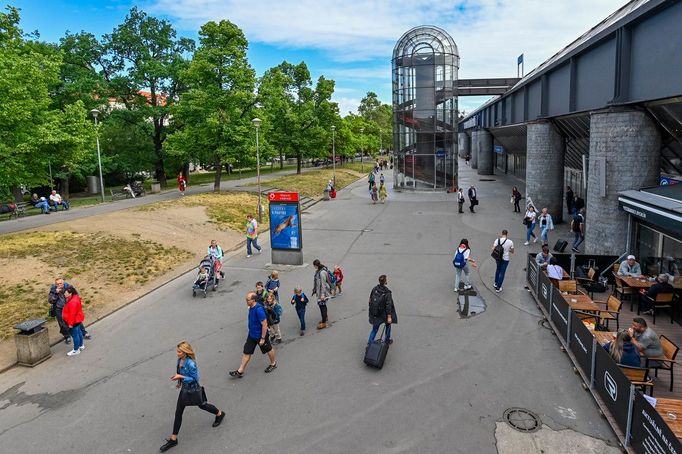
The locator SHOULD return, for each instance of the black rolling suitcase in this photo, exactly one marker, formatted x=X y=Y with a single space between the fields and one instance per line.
x=376 y=351
x=560 y=246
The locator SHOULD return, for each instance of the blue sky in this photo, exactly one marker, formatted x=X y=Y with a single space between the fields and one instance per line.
x=351 y=42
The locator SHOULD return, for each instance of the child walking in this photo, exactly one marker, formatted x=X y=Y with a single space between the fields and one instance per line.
x=382 y=193
x=300 y=301
x=272 y=285
x=274 y=313
x=338 y=274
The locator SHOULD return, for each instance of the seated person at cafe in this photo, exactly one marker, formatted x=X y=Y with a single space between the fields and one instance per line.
x=554 y=271
x=661 y=286
x=645 y=339
x=542 y=259
x=623 y=351
x=630 y=267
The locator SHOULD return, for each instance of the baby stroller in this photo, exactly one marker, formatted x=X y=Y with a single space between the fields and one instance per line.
x=202 y=285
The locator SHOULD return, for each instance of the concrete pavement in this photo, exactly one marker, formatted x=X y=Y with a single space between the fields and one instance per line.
x=445 y=385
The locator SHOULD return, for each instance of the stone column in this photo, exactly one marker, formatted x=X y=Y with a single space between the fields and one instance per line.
x=474 y=149
x=464 y=144
x=545 y=148
x=625 y=153
x=486 y=158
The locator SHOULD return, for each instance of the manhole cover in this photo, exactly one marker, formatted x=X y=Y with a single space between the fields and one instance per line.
x=522 y=420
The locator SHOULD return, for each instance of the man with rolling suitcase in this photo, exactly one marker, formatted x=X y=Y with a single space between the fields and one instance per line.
x=381 y=312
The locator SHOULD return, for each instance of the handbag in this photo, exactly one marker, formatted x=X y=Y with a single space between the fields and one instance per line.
x=526 y=221
x=511 y=200
x=194 y=396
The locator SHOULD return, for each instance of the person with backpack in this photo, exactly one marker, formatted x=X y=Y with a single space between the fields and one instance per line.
x=273 y=310
x=272 y=284
x=300 y=301
x=501 y=250
x=381 y=310
x=322 y=288
x=371 y=180
x=578 y=229
x=461 y=263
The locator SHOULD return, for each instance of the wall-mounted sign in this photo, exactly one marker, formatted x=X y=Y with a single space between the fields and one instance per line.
x=499 y=149
x=665 y=181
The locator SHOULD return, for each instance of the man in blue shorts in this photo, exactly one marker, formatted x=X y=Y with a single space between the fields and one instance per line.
x=258 y=336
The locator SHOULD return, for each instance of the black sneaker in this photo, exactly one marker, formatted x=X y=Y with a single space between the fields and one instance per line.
x=169 y=444
x=270 y=368
x=218 y=419
x=236 y=374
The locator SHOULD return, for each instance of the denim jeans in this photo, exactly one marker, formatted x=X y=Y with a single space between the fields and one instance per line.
x=578 y=239
x=77 y=335
x=301 y=317
x=43 y=205
x=375 y=330
x=530 y=232
x=458 y=276
x=249 y=242
x=544 y=236
x=499 y=272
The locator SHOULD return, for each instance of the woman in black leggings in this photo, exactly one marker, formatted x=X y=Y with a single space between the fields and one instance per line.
x=187 y=377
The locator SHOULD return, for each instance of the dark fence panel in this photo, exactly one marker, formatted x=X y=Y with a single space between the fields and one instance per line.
x=581 y=344
x=560 y=311
x=532 y=271
x=545 y=293
x=613 y=387
x=649 y=433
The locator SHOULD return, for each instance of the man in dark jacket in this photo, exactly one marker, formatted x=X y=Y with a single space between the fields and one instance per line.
x=57 y=299
x=473 y=200
x=661 y=286
x=381 y=309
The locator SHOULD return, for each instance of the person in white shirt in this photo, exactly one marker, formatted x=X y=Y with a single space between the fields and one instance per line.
x=554 y=271
x=529 y=221
x=56 y=200
x=630 y=267
x=461 y=263
x=507 y=246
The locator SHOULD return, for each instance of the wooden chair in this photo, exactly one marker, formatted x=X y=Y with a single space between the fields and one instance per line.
x=611 y=311
x=569 y=286
x=662 y=301
x=667 y=361
x=588 y=282
x=638 y=376
x=621 y=290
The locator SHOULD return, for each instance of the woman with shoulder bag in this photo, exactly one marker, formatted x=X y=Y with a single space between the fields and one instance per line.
x=546 y=224
x=529 y=221
x=191 y=393
x=515 y=199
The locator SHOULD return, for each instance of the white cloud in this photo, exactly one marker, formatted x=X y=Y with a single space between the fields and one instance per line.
x=347 y=104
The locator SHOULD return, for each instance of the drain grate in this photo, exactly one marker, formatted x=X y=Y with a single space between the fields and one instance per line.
x=522 y=420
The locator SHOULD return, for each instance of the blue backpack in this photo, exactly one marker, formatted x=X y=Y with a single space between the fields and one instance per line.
x=330 y=277
x=459 y=261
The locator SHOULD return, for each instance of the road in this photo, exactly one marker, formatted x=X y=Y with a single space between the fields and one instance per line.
x=445 y=385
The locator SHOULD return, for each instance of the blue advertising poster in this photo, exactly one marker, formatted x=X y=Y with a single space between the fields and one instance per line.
x=285 y=226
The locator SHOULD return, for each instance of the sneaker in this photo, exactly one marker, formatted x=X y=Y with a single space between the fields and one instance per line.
x=278 y=341
x=526 y=243
x=88 y=337
x=248 y=255
x=218 y=419
x=498 y=290
x=73 y=353
x=169 y=444
x=270 y=368
x=236 y=374
x=82 y=347
x=467 y=287
x=333 y=296
x=302 y=333
x=535 y=240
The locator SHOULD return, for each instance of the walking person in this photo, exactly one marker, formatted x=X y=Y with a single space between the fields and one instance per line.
x=569 y=200
x=382 y=193
x=578 y=204
x=375 y=194
x=473 y=200
x=381 y=310
x=467 y=157
x=73 y=316
x=529 y=222
x=182 y=183
x=191 y=392
x=370 y=179
x=257 y=336
x=322 y=289
x=251 y=235
x=578 y=229
x=461 y=263
x=300 y=301
x=273 y=310
x=501 y=250
x=216 y=252
x=460 y=199
x=516 y=198
x=338 y=280
x=546 y=224
x=272 y=284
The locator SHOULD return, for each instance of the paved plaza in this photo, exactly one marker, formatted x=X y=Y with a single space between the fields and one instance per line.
x=444 y=388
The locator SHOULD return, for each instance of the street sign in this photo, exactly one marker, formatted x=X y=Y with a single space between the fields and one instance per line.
x=440 y=153
x=499 y=149
x=283 y=196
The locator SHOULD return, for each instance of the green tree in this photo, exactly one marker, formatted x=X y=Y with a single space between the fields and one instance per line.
x=379 y=118
x=214 y=115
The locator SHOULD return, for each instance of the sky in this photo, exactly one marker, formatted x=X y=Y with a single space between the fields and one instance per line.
x=351 y=42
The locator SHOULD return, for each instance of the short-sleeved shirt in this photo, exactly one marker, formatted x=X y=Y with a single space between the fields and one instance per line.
x=251 y=227
x=506 y=246
x=530 y=215
x=652 y=345
x=256 y=317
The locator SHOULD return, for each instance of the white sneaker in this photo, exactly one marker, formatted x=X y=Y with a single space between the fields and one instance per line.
x=467 y=287
x=498 y=290
x=82 y=347
x=73 y=353
x=535 y=240
x=248 y=255
x=526 y=243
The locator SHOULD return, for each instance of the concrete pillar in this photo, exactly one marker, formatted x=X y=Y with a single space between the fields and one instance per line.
x=486 y=158
x=474 y=149
x=545 y=150
x=625 y=152
x=464 y=144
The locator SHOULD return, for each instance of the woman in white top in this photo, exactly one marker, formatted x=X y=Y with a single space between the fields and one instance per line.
x=529 y=221
x=461 y=263
x=546 y=224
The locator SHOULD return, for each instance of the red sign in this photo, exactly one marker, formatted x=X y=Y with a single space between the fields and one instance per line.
x=283 y=196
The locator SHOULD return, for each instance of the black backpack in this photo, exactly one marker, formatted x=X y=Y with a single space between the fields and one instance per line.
x=498 y=250
x=377 y=306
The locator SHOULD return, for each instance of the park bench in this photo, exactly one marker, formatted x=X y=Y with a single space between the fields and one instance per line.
x=119 y=194
x=20 y=210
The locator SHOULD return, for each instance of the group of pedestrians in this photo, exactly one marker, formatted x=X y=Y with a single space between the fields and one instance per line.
x=66 y=306
x=377 y=193
x=472 y=194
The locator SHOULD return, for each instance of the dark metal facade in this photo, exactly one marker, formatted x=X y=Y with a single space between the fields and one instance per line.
x=425 y=66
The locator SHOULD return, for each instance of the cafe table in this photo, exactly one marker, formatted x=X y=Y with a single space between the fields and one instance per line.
x=639 y=283
x=581 y=302
x=671 y=412
x=604 y=337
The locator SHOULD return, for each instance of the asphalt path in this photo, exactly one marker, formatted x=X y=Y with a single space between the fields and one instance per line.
x=446 y=381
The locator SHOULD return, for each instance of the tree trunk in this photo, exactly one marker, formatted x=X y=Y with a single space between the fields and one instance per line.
x=185 y=171
x=16 y=193
x=298 y=162
x=218 y=173
x=64 y=183
x=281 y=160
x=158 y=150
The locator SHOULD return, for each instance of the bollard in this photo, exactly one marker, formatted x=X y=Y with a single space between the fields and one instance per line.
x=33 y=343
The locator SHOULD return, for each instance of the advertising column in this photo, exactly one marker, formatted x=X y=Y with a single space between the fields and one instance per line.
x=286 y=238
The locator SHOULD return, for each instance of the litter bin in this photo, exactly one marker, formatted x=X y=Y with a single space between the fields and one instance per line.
x=156 y=187
x=326 y=194
x=33 y=343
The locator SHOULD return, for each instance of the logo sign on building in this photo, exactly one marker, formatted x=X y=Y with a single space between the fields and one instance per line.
x=649 y=432
x=285 y=221
x=665 y=181
x=613 y=387
x=581 y=343
x=499 y=149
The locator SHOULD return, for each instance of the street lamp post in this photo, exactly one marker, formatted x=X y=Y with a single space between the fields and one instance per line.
x=256 y=123
x=95 y=113
x=334 y=154
x=362 y=150
x=381 y=142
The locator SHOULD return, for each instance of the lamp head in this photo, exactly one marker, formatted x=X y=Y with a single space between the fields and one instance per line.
x=95 y=113
x=256 y=122
x=333 y=128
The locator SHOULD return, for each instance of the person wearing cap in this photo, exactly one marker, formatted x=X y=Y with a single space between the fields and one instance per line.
x=630 y=267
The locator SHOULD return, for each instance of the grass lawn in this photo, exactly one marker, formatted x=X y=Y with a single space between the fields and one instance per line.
x=104 y=262
x=227 y=210
x=312 y=184
x=209 y=177
x=362 y=168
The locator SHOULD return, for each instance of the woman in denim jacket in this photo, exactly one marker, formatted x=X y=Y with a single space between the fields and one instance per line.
x=187 y=378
